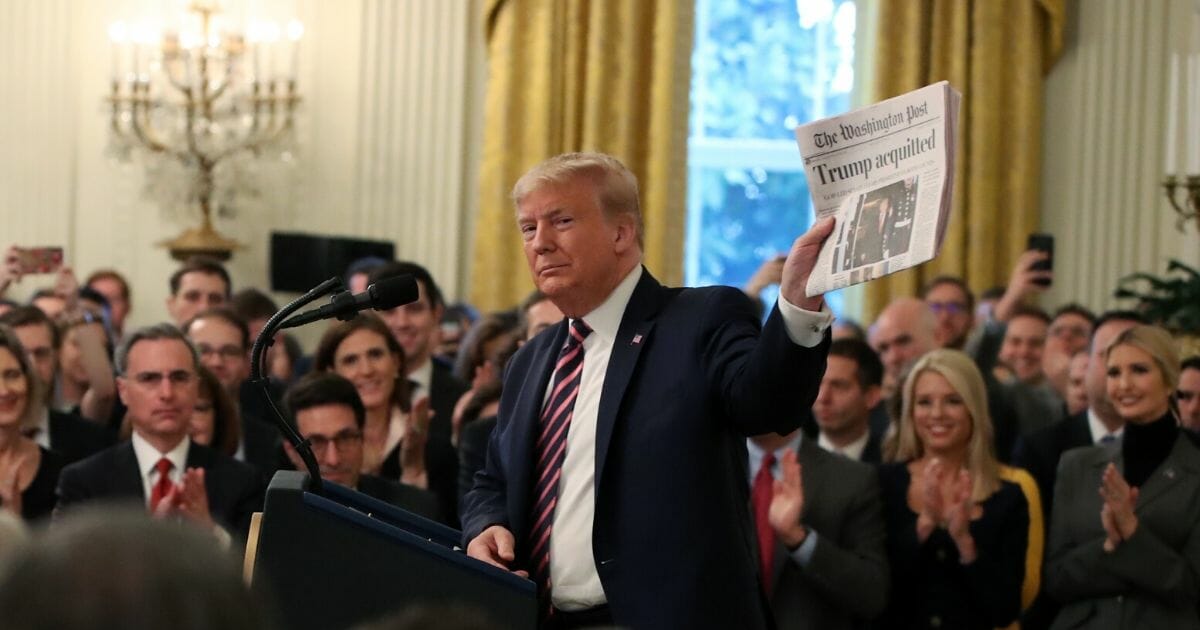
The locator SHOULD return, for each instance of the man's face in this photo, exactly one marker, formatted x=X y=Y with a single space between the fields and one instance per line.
x=843 y=406
x=1024 y=341
x=336 y=439
x=541 y=316
x=160 y=387
x=949 y=306
x=1068 y=334
x=198 y=291
x=118 y=305
x=1097 y=378
x=899 y=338
x=573 y=249
x=1077 y=399
x=415 y=326
x=38 y=342
x=1188 y=396
x=221 y=351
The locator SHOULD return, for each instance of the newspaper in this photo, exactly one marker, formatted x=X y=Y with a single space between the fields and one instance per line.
x=886 y=172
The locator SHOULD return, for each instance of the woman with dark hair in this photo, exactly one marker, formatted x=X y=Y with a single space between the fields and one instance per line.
x=364 y=351
x=28 y=472
x=958 y=530
x=215 y=418
x=1125 y=535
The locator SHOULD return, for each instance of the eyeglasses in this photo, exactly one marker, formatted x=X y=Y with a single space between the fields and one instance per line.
x=152 y=380
x=225 y=352
x=343 y=441
x=949 y=308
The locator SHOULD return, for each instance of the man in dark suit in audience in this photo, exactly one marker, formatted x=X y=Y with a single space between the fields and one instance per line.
x=160 y=466
x=637 y=515
x=326 y=410
x=1040 y=451
x=849 y=390
x=223 y=341
x=416 y=327
x=821 y=533
x=65 y=433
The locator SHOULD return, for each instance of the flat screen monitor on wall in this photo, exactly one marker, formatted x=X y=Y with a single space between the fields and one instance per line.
x=300 y=262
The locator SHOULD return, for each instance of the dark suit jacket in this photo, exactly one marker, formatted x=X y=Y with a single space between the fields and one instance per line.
x=689 y=376
x=1151 y=580
x=441 y=458
x=261 y=444
x=415 y=500
x=846 y=582
x=234 y=489
x=1040 y=451
x=472 y=452
x=74 y=438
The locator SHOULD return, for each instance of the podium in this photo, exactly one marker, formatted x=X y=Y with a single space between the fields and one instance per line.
x=345 y=558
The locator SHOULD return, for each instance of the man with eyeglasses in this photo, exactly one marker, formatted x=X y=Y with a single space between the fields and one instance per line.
x=325 y=410
x=222 y=339
x=65 y=433
x=158 y=382
x=953 y=307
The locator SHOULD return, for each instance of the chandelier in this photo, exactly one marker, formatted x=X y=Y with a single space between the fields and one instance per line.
x=199 y=106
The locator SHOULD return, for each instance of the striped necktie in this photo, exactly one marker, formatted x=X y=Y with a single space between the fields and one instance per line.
x=551 y=450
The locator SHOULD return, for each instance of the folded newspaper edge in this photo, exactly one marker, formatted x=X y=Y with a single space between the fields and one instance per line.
x=886 y=173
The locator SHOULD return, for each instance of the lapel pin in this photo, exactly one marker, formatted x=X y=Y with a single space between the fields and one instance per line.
x=1170 y=473
x=636 y=340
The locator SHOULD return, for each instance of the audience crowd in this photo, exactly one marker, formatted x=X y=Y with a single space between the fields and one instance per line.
x=969 y=462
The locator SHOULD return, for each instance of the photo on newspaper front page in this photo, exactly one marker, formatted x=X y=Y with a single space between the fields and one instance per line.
x=886 y=172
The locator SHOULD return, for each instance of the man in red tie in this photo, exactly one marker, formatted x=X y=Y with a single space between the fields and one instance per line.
x=158 y=382
x=613 y=475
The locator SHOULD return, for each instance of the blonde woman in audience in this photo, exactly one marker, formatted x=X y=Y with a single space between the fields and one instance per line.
x=1125 y=537
x=28 y=472
x=364 y=351
x=958 y=533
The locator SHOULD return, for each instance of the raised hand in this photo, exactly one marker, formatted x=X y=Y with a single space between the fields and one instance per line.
x=1023 y=281
x=799 y=265
x=787 y=503
x=412 y=448
x=10 y=486
x=10 y=271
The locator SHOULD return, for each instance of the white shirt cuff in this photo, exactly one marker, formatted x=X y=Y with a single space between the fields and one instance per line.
x=804 y=327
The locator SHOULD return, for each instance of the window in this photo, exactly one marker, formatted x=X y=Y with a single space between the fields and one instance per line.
x=759 y=69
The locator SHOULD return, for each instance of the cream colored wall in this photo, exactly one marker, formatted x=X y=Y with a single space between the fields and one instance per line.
x=1105 y=131
x=388 y=135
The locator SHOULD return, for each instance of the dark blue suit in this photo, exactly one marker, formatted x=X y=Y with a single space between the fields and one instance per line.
x=689 y=377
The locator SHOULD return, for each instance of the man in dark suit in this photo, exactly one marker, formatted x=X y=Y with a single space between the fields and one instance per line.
x=849 y=391
x=819 y=519
x=1040 y=451
x=616 y=473
x=326 y=410
x=222 y=339
x=160 y=465
x=65 y=433
x=416 y=327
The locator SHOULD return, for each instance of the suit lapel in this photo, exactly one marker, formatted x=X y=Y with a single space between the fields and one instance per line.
x=127 y=476
x=1176 y=468
x=632 y=336
x=525 y=421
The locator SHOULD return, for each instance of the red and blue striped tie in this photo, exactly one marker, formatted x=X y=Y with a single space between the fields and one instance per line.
x=551 y=450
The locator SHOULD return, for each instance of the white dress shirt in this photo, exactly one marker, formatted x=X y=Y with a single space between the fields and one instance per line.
x=576 y=582
x=1099 y=430
x=853 y=450
x=147 y=459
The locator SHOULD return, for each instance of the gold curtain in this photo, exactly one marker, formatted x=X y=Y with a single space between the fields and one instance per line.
x=995 y=52
x=575 y=75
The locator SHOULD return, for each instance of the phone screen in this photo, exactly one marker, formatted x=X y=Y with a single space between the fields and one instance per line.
x=34 y=260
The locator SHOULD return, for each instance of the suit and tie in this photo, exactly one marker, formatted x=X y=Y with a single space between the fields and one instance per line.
x=689 y=376
x=843 y=583
x=75 y=438
x=1152 y=580
x=234 y=489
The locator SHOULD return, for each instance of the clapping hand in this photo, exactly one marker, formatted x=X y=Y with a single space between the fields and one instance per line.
x=412 y=448
x=1117 y=515
x=787 y=503
x=10 y=486
x=188 y=500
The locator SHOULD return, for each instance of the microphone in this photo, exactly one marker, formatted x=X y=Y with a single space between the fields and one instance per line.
x=385 y=294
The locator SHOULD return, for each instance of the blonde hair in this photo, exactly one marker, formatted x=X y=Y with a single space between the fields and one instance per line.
x=960 y=371
x=1155 y=342
x=615 y=185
